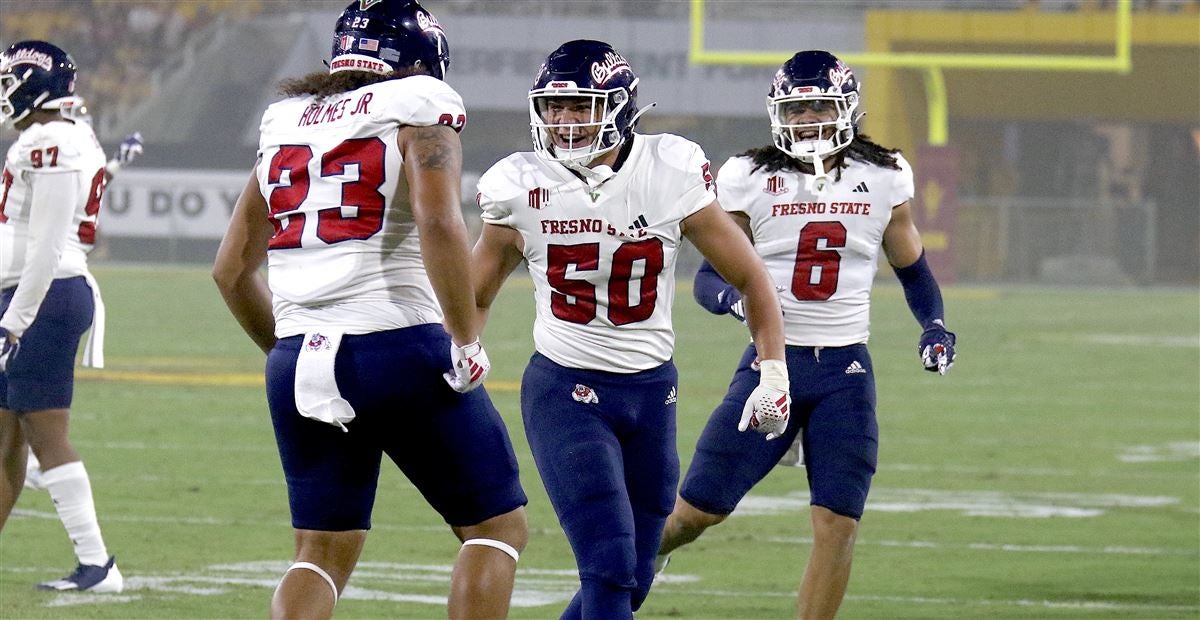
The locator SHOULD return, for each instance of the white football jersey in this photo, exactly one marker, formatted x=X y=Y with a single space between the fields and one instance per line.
x=602 y=260
x=345 y=252
x=55 y=152
x=823 y=250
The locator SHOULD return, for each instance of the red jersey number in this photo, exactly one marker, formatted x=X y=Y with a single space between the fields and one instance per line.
x=586 y=257
x=87 y=228
x=360 y=214
x=39 y=156
x=821 y=262
x=8 y=181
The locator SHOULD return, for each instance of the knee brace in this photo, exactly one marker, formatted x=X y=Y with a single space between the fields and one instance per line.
x=318 y=570
x=495 y=544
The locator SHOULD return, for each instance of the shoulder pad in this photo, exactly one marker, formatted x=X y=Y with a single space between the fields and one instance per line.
x=511 y=176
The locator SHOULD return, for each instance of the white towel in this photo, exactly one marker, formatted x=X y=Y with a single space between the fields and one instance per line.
x=93 y=351
x=317 y=395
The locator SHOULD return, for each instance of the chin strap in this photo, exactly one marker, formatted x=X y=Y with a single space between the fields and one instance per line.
x=595 y=176
x=819 y=182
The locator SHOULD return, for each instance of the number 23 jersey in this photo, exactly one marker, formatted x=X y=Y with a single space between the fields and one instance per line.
x=346 y=250
x=823 y=251
x=603 y=268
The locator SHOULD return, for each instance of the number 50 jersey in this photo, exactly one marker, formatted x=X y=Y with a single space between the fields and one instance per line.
x=345 y=251
x=823 y=251
x=602 y=259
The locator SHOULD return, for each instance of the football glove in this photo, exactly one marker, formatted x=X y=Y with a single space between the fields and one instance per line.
x=936 y=348
x=128 y=151
x=736 y=305
x=130 y=148
x=769 y=406
x=469 y=367
x=8 y=349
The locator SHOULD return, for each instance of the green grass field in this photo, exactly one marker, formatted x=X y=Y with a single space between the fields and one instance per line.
x=1054 y=473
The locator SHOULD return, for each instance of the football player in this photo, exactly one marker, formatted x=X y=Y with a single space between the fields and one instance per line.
x=354 y=204
x=817 y=204
x=598 y=213
x=54 y=176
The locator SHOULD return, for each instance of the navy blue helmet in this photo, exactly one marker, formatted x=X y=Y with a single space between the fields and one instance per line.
x=382 y=36
x=35 y=75
x=600 y=90
x=813 y=105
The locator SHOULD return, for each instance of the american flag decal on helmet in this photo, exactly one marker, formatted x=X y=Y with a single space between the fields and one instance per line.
x=539 y=197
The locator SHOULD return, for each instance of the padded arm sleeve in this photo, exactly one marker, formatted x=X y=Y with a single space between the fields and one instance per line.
x=712 y=291
x=921 y=291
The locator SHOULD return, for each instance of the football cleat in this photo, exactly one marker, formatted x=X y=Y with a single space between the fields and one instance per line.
x=89 y=578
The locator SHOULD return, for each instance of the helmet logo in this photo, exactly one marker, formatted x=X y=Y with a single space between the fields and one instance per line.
x=604 y=70
x=366 y=4
x=425 y=21
x=840 y=74
x=346 y=41
x=31 y=57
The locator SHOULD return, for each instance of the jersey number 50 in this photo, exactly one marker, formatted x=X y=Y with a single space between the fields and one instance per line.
x=586 y=257
x=360 y=214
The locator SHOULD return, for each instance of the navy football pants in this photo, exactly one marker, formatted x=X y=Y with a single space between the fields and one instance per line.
x=453 y=447
x=833 y=401
x=610 y=468
x=42 y=374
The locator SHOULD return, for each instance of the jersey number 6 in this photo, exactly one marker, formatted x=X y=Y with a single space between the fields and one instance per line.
x=815 y=277
x=586 y=257
x=360 y=214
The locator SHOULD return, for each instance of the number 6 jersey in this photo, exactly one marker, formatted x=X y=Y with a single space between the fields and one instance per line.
x=345 y=250
x=602 y=259
x=823 y=251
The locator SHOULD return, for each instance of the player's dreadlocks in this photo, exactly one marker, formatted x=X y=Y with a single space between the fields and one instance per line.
x=861 y=148
x=324 y=84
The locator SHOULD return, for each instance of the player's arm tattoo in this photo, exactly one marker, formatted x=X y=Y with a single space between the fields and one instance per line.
x=435 y=147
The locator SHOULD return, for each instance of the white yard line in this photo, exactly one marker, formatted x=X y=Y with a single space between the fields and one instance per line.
x=545 y=588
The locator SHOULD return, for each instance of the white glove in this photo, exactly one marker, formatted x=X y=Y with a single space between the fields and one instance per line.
x=470 y=366
x=8 y=349
x=769 y=406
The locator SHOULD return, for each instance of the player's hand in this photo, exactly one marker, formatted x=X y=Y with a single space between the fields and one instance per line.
x=936 y=348
x=9 y=345
x=469 y=367
x=769 y=406
x=130 y=148
x=735 y=306
x=730 y=300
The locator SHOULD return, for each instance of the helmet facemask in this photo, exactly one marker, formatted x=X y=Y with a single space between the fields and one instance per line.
x=9 y=83
x=598 y=132
x=808 y=141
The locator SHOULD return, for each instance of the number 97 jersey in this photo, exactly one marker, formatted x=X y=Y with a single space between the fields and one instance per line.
x=331 y=173
x=822 y=251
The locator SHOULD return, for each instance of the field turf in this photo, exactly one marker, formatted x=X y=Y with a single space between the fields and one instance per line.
x=1054 y=473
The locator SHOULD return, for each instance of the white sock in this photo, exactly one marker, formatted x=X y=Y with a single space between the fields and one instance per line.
x=71 y=491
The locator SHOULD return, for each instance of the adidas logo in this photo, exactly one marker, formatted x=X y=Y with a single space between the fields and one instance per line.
x=855 y=368
x=639 y=223
x=671 y=397
x=861 y=187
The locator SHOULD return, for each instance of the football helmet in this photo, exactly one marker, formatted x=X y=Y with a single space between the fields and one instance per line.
x=382 y=36
x=813 y=83
x=594 y=75
x=35 y=75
